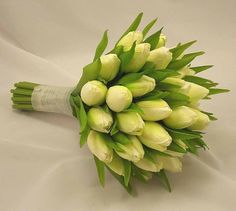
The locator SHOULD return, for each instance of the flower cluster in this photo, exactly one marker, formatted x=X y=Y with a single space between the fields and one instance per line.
x=138 y=105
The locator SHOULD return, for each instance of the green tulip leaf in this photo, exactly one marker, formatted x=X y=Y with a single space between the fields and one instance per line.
x=164 y=179
x=127 y=173
x=101 y=46
x=84 y=135
x=217 y=91
x=183 y=134
x=180 y=48
x=176 y=148
x=153 y=39
x=148 y=27
x=121 y=181
x=186 y=59
x=127 y=56
x=100 y=170
x=210 y=115
x=201 y=68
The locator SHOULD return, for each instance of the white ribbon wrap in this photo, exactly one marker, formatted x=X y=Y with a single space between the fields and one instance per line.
x=52 y=99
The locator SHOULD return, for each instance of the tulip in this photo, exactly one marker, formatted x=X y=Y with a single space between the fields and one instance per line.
x=202 y=121
x=110 y=66
x=154 y=110
x=141 y=86
x=139 y=58
x=160 y=57
x=171 y=164
x=182 y=86
x=117 y=165
x=181 y=143
x=118 y=98
x=155 y=136
x=132 y=151
x=149 y=165
x=162 y=41
x=181 y=117
x=128 y=40
x=93 y=93
x=98 y=145
x=196 y=92
x=184 y=72
x=130 y=122
x=99 y=119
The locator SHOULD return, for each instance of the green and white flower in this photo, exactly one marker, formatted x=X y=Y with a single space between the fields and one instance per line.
x=128 y=40
x=154 y=110
x=93 y=93
x=133 y=150
x=155 y=136
x=130 y=122
x=141 y=86
x=99 y=119
x=110 y=67
x=139 y=58
x=181 y=117
x=118 y=98
x=160 y=57
x=99 y=146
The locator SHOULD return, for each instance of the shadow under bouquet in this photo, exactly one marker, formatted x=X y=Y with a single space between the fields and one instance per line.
x=137 y=106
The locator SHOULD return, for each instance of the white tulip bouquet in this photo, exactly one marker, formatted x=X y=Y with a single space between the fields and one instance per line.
x=138 y=105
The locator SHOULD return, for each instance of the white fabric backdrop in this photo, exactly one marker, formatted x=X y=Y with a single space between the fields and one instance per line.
x=42 y=167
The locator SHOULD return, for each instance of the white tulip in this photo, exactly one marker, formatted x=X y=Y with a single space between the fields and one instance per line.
x=162 y=41
x=154 y=110
x=117 y=165
x=99 y=119
x=110 y=66
x=130 y=122
x=160 y=57
x=128 y=40
x=132 y=151
x=181 y=117
x=118 y=98
x=141 y=86
x=155 y=136
x=202 y=121
x=93 y=93
x=98 y=146
x=139 y=58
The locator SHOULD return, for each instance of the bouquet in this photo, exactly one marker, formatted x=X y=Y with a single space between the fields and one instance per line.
x=137 y=105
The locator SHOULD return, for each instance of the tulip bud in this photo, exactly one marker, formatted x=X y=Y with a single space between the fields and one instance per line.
x=99 y=119
x=155 y=136
x=130 y=122
x=184 y=72
x=118 y=98
x=149 y=165
x=162 y=41
x=180 y=143
x=141 y=86
x=132 y=151
x=93 y=93
x=154 y=110
x=181 y=117
x=139 y=58
x=161 y=57
x=117 y=165
x=110 y=66
x=183 y=86
x=128 y=40
x=202 y=121
x=196 y=92
x=97 y=144
x=171 y=164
